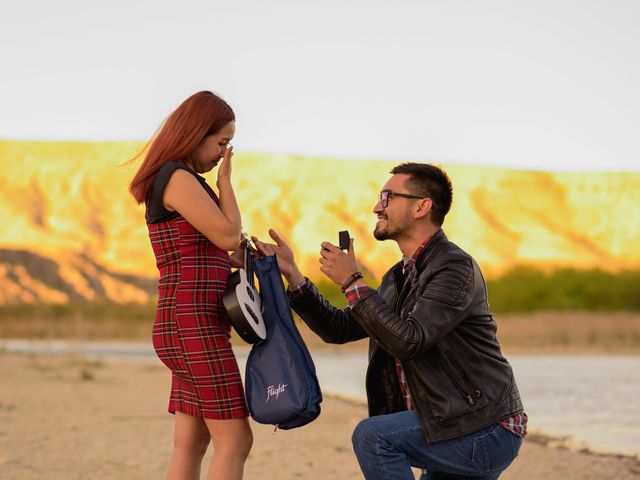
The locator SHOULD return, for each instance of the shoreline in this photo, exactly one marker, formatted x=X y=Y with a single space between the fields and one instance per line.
x=138 y=352
x=537 y=436
x=566 y=333
x=106 y=418
x=315 y=344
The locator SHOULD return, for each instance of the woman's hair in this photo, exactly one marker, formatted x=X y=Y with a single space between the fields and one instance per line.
x=200 y=115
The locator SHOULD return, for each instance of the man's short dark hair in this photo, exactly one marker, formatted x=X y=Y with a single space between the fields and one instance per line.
x=429 y=181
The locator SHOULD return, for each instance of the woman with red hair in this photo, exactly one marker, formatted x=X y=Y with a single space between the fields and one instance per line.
x=191 y=229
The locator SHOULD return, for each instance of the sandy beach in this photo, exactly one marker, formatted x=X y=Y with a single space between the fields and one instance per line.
x=65 y=417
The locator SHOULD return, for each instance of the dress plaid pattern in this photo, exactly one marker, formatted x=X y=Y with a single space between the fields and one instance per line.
x=191 y=331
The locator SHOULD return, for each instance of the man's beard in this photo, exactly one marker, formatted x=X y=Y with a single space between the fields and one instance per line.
x=388 y=232
x=384 y=233
x=381 y=234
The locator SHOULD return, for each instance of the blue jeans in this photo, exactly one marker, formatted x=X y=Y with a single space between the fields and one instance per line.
x=388 y=446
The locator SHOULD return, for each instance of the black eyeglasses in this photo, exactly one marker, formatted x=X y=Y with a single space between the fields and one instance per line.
x=385 y=195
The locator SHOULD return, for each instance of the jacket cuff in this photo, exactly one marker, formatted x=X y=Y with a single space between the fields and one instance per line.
x=297 y=291
x=362 y=296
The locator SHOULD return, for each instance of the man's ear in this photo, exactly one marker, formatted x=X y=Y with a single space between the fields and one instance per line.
x=423 y=207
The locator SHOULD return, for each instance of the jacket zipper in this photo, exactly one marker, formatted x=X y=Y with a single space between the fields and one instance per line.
x=475 y=393
x=401 y=296
x=398 y=296
x=454 y=380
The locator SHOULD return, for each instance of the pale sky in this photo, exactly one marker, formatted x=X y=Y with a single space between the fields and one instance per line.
x=544 y=84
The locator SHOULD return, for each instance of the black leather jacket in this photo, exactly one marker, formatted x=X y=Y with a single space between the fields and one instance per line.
x=439 y=326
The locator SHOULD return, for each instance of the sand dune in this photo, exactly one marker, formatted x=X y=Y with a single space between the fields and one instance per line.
x=66 y=205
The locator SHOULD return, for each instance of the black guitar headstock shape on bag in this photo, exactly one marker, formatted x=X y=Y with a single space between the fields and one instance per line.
x=242 y=301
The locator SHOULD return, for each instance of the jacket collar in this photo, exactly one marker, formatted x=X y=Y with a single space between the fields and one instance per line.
x=423 y=259
x=427 y=253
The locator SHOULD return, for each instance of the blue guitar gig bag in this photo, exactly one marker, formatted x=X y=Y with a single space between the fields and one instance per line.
x=280 y=379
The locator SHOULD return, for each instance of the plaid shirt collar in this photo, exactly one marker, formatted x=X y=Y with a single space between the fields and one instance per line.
x=409 y=264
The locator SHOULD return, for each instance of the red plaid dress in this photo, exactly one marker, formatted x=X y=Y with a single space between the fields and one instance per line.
x=191 y=330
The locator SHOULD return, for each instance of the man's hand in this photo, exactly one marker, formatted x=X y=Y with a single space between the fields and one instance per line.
x=336 y=264
x=284 y=255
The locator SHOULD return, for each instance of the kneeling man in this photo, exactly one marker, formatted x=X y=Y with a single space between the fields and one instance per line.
x=441 y=395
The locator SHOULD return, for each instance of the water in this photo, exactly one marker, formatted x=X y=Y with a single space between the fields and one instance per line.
x=589 y=401
x=593 y=400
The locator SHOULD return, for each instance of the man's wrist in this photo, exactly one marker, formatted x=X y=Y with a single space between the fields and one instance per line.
x=295 y=278
x=350 y=280
x=355 y=291
x=360 y=283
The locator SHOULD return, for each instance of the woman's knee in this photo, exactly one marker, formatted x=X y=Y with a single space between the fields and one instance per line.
x=244 y=443
x=236 y=442
x=239 y=448
x=193 y=445
x=191 y=435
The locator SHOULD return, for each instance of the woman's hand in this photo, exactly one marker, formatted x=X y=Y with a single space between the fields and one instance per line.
x=237 y=257
x=224 y=171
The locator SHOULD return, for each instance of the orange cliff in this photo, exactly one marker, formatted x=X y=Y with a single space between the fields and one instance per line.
x=72 y=232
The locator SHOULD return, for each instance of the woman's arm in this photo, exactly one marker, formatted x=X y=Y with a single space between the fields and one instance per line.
x=222 y=225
